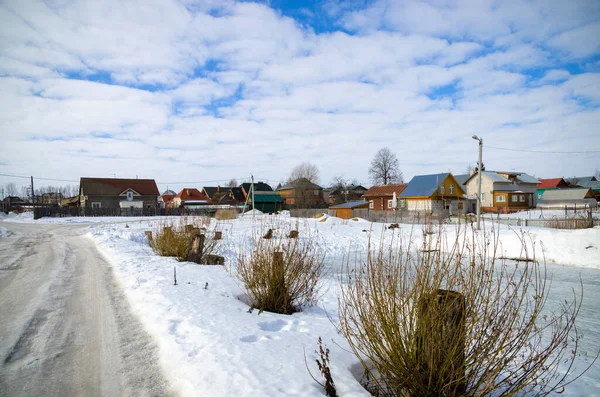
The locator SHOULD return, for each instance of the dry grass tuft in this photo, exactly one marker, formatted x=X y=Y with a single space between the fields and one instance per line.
x=445 y=318
x=281 y=276
x=570 y=223
x=223 y=215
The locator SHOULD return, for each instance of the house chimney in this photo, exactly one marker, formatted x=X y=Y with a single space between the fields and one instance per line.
x=218 y=188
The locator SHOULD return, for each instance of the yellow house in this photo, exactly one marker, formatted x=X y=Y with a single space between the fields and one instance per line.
x=434 y=193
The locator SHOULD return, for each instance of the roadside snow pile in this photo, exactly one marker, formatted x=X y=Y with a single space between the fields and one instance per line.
x=251 y=213
x=212 y=343
x=5 y=232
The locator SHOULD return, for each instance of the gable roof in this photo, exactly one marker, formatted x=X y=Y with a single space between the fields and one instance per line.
x=385 y=190
x=567 y=194
x=237 y=194
x=423 y=185
x=461 y=178
x=193 y=194
x=267 y=197
x=581 y=180
x=495 y=176
x=301 y=183
x=351 y=204
x=169 y=192
x=116 y=186
x=167 y=197
x=550 y=183
x=258 y=187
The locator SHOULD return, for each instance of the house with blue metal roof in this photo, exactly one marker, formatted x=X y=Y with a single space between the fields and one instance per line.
x=434 y=193
x=504 y=191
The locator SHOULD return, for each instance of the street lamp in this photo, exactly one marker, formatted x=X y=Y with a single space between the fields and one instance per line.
x=479 y=183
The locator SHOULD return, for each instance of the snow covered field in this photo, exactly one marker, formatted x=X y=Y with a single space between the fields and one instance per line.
x=210 y=344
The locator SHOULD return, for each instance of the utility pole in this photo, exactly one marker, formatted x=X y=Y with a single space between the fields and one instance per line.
x=33 y=197
x=479 y=182
x=252 y=189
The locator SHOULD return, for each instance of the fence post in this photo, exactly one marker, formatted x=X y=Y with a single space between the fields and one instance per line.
x=195 y=248
x=441 y=341
x=280 y=294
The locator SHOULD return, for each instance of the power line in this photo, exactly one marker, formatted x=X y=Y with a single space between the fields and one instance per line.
x=540 y=151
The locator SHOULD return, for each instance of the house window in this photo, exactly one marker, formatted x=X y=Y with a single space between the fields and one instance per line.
x=501 y=199
x=96 y=205
x=402 y=203
x=371 y=204
x=514 y=198
x=316 y=193
x=129 y=196
x=390 y=204
x=442 y=189
x=460 y=206
x=452 y=189
x=482 y=196
x=522 y=198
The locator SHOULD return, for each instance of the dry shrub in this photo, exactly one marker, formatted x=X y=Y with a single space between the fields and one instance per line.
x=570 y=223
x=171 y=240
x=443 y=318
x=223 y=215
x=281 y=276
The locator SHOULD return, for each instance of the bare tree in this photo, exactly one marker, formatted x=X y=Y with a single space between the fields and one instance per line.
x=338 y=182
x=385 y=168
x=232 y=183
x=11 y=189
x=305 y=170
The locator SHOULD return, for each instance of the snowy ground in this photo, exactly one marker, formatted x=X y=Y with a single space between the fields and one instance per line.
x=210 y=344
x=543 y=214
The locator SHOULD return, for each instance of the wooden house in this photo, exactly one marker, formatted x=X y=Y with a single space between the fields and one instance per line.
x=302 y=193
x=118 y=193
x=435 y=193
x=380 y=196
x=346 y=210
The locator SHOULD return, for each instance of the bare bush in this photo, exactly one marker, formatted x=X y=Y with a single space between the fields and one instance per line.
x=281 y=276
x=174 y=240
x=443 y=318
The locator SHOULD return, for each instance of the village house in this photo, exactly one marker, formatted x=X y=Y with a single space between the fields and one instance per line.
x=302 y=193
x=190 y=198
x=166 y=199
x=435 y=193
x=51 y=198
x=503 y=191
x=550 y=184
x=118 y=193
x=380 y=197
x=344 y=194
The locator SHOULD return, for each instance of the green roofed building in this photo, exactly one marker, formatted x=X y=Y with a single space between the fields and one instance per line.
x=266 y=201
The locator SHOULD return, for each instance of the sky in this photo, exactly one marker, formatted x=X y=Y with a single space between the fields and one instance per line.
x=195 y=93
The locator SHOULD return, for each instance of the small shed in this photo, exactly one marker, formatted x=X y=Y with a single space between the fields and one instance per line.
x=345 y=210
x=568 y=198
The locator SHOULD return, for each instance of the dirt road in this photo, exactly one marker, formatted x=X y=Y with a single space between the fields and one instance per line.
x=65 y=327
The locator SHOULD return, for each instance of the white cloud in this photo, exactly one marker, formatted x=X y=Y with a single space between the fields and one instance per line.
x=418 y=77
